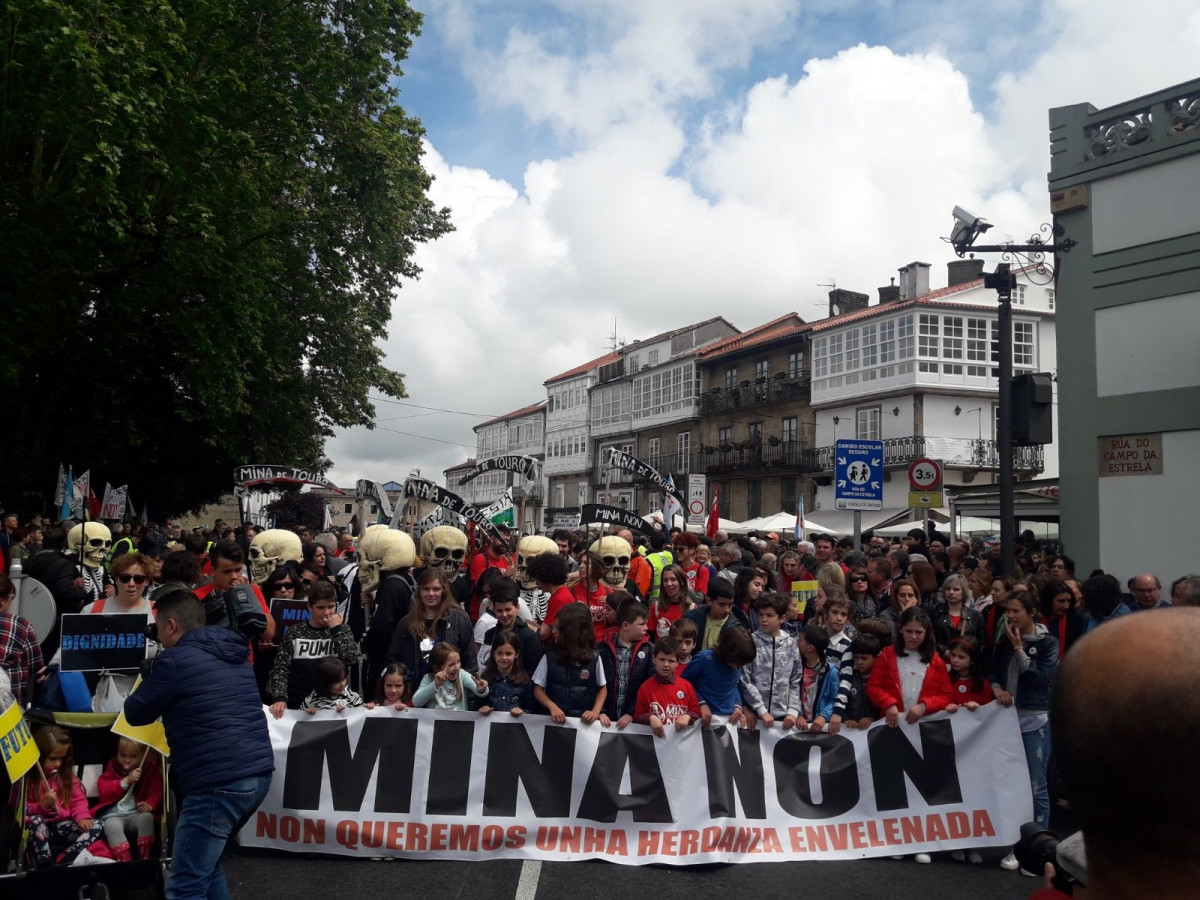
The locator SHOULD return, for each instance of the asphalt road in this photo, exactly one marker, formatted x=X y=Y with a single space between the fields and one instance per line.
x=266 y=875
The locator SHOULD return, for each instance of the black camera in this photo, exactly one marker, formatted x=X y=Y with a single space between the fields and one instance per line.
x=1039 y=846
x=237 y=608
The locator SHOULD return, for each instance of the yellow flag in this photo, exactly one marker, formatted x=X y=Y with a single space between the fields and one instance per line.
x=16 y=743
x=153 y=735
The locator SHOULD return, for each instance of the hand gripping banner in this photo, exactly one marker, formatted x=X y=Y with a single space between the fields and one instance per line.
x=456 y=785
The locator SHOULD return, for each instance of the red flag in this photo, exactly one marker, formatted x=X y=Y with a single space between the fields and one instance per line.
x=710 y=528
x=94 y=503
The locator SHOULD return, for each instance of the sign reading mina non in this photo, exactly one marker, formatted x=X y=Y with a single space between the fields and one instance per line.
x=618 y=459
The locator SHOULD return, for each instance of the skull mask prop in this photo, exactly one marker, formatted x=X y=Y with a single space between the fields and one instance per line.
x=445 y=548
x=96 y=540
x=270 y=549
x=383 y=549
x=527 y=549
x=614 y=553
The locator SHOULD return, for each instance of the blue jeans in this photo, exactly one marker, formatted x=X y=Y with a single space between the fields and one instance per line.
x=1037 y=758
x=207 y=822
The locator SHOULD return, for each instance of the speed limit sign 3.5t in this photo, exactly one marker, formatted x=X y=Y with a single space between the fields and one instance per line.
x=925 y=483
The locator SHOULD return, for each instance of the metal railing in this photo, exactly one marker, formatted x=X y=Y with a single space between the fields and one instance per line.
x=756 y=393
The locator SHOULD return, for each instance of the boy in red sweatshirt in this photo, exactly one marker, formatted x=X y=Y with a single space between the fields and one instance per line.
x=665 y=698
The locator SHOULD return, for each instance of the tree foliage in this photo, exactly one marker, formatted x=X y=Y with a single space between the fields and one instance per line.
x=206 y=208
x=294 y=508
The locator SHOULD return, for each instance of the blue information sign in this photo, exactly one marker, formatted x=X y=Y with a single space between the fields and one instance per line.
x=858 y=475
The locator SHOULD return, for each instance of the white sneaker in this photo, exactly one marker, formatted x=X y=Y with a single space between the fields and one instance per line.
x=958 y=856
x=923 y=858
x=974 y=857
x=1009 y=863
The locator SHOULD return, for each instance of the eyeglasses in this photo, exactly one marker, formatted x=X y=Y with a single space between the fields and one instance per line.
x=136 y=579
x=285 y=586
x=858 y=577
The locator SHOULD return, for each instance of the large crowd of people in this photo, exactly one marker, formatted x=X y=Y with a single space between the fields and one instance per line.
x=759 y=631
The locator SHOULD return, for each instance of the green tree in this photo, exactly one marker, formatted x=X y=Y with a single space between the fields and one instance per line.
x=294 y=508
x=206 y=210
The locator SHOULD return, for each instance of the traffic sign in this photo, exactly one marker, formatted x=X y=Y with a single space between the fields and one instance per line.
x=858 y=475
x=924 y=499
x=925 y=475
x=697 y=486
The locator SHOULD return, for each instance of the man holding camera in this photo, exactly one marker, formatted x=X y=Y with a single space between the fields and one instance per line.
x=228 y=563
x=203 y=688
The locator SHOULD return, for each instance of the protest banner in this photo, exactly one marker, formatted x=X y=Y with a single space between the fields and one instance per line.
x=16 y=743
x=287 y=613
x=267 y=475
x=526 y=465
x=804 y=593
x=453 y=785
x=613 y=515
x=92 y=643
x=425 y=490
x=619 y=459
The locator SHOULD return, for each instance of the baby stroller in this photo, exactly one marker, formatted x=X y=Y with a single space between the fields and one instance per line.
x=94 y=745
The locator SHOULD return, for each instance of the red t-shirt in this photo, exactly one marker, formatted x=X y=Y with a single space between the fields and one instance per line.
x=961 y=692
x=557 y=601
x=481 y=562
x=697 y=576
x=660 y=623
x=597 y=603
x=666 y=699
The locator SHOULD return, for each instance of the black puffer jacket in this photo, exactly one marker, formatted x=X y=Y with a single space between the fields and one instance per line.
x=454 y=626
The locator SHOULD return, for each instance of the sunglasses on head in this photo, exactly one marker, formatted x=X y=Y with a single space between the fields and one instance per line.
x=136 y=579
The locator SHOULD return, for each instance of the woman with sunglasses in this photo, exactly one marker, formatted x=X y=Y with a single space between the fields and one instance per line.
x=284 y=583
x=858 y=589
x=132 y=575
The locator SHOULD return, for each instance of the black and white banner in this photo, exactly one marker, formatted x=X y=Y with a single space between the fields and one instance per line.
x=450 y=785
x=618 y=459
x=365 y=489
x=613 y=515
x=259 y=476
x=420 y=489
x=526 y=465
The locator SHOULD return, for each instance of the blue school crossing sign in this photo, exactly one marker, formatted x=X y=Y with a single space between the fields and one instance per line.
x=858 y=475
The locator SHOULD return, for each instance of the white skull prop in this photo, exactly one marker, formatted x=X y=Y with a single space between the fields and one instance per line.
x=527 y=549
x=270 y=549
x=383 y=549
x=614 y=553
x=445 y=548
x=96 y=540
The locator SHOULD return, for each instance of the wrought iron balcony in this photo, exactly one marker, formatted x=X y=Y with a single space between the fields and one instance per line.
x=785 y=457
x=531 y=495
x=756 y=393
x=961 y=453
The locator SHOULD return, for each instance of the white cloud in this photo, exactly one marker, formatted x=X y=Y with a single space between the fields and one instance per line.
x=849 y=170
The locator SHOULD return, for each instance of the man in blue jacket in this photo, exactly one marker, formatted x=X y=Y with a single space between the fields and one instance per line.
x=202 y=685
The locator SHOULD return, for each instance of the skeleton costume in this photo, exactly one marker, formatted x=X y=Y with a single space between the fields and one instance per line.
x=535 y=598
x=96 y=540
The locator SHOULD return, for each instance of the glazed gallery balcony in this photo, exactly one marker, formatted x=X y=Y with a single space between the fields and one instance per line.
x=749 y=394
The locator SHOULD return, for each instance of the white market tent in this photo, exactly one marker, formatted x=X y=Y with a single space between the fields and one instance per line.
x=966 y=525
x=725 y=525
x=781 y=522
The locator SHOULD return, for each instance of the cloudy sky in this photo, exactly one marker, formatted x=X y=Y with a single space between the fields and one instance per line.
x=658 y=163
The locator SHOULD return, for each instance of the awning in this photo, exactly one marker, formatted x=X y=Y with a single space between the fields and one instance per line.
x=841 y=521
x=783 y=521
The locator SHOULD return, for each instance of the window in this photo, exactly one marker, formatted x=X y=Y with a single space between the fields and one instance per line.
x=787 y=493
x=952 y=337
x=653 y=358
x=820 y=358
x=731 y=378
x=852 y=350
x=868 y=423
x=1022 y=345
x=374 y=508
x=904 y=328
x=633 y=364
x=725 y=503
x=836 y=357
x=663 y=391
x=927 y=344
x=1050 y=298
x=627 y=449
x=887 y=341
x=789 y=431
x=869 y=349
x=348 y=509
x=560 y=496
x=754 y=433
x=652 y=452
x=795 y=364
x=683 y=449
x=725 y=435
x=753 y=498
x=762 y=368
x=1018 y=294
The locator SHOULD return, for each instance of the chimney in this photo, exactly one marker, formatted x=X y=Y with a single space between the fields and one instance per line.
x=889 y=294
x=960 y=271
x=914 y=280
x=843 y=301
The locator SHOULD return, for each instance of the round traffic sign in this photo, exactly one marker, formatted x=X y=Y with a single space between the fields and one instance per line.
x=696 y=507
x=925 y=474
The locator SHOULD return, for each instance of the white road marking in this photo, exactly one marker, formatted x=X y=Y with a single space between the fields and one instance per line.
x=531 y=871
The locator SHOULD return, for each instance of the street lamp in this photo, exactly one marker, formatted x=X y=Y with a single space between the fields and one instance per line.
x=1032 y=257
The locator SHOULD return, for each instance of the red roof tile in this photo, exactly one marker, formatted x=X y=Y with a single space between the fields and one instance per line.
x=469 y=464
x=769 y=331
x=515 y=414
x=586 y=367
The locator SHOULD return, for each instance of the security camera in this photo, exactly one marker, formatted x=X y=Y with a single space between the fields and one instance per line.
x=967 y=228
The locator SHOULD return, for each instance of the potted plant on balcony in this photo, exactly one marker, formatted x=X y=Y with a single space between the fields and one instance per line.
x=774 y=440
x=726 y=448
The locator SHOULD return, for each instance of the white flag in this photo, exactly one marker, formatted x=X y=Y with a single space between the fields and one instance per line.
x=61 y=488
x=671 y=507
